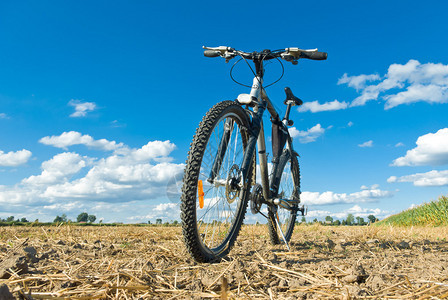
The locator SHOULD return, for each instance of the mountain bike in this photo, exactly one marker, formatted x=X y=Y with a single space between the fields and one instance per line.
x=221 y=172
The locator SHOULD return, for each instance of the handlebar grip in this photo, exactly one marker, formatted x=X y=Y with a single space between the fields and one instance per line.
x=212 y=53
x=316 y=55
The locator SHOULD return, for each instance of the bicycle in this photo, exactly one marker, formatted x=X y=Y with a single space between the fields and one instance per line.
x=220 y=173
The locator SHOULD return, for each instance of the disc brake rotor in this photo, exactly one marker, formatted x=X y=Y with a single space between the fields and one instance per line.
x=232 y=185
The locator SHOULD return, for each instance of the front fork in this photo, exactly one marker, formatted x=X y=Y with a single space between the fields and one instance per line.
x=254 y=132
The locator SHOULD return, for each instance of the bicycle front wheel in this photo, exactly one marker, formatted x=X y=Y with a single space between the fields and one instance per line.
x=289 y=188
x=214 y=198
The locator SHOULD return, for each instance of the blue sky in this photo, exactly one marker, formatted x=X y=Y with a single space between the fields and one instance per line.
x=99 y=101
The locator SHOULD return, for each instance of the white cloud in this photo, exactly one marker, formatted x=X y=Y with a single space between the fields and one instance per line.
x=372 y=187
x=400 y=144
x=367 y=144
x=358 y=82
x=164 y=211
x=350 y=124
x=58 y=169
x=402 y=84
x=356 y=211
x=67 y=139
x=3 y=116
x=134 y=174
x=309 y=135
x=315 y=106
x=432 y=149
x=431 y=178
x=14 y=159
x=81 y=108
x=121 y=179
x=365 y=195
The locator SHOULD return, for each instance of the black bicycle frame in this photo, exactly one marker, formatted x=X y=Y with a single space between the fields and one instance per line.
x=280 y=137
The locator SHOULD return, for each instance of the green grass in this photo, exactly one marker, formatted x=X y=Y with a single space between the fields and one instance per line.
x=434 y=213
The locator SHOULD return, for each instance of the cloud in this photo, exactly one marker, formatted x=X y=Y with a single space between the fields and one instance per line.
x=367 y=144
x=402 y=84
x=400 y=144
x=14 y=159
x=358 y=82
x=350 y=124
x=81 y=108
x=431 y=178
x=315 y=106
x=121 y=179
x=58 y=169
x=67 y=139
x=309 y=135
x=135 y=174
x=432 y=149
x=164 y=211
x=371 y=194
x=3 y=116
x=356 y=211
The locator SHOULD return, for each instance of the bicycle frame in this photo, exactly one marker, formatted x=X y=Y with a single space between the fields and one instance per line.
x=270 y=187
x=260 y=102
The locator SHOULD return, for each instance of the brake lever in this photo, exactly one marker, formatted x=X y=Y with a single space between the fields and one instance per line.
x=290 y=58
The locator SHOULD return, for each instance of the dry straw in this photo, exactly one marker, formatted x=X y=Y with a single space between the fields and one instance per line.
x=152 y=263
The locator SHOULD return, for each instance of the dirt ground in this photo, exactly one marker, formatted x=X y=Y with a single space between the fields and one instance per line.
x=152 y=263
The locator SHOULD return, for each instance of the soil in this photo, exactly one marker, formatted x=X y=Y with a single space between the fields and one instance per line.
x=151 y=262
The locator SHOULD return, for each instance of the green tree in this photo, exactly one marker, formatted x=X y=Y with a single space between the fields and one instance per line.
x=82 y=217
x=303 y=219
x=149 y=222
x=372 y=218
x=328 y=219
x=350 y=219
x=175 y=222
x=91 y=218
x=362 y=222
x=158 y=221
x=60 y=219
x=357 y=220
x=337 y=223
x=10 y=219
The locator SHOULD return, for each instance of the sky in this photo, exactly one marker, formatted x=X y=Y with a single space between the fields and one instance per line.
x=99 y=101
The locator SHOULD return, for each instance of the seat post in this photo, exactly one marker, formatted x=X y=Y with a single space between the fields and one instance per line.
x=288 y=111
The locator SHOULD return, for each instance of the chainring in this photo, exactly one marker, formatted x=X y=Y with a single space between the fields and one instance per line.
x=256 y=198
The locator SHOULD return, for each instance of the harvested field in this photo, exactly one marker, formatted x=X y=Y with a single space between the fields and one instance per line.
x=132 y=262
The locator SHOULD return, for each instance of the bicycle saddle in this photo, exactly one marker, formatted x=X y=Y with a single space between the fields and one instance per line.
x=290 y=97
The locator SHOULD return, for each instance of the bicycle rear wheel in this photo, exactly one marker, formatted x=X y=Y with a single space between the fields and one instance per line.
x=214 y=199
x=289 y=188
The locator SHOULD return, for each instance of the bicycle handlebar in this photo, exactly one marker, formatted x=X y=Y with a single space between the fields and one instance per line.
x=289 y=54
x=212 y=53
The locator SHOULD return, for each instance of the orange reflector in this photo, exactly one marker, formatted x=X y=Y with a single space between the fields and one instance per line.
x=201 y=194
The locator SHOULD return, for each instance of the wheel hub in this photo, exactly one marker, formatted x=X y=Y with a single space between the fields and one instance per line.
x=233 y=183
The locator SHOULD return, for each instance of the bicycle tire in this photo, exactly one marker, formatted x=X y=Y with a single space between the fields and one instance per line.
x=290 y=187
x=198 y=237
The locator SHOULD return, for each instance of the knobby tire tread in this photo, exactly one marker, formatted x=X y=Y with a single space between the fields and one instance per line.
x=189 y=188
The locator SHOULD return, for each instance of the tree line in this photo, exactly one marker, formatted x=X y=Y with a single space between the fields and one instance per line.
x=82 y=218
x=351 y=220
